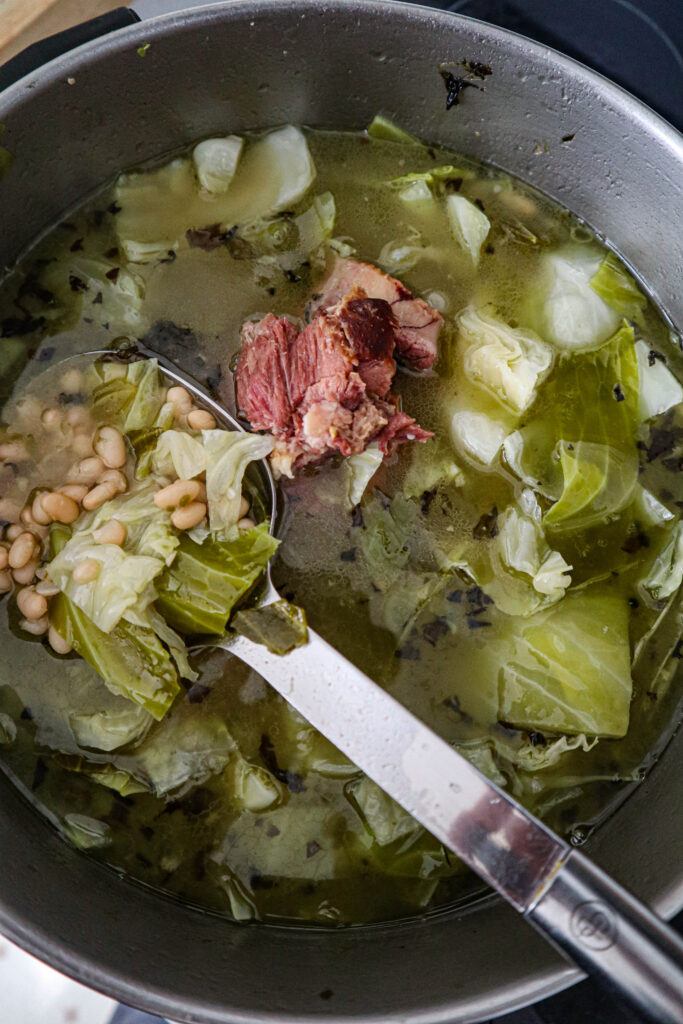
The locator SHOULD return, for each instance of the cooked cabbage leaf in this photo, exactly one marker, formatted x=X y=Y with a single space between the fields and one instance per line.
x=110 y=729
x=666 y=572
x=126 y=396
x=568 y=668
x=615 y=285
x=280 y=626
x=359 y=470
x=180 y=753
x=215 y=162
x=228 y=453
x=205 y=582
x=658 y=388
x=110 y=293
x=131 y=661
x=508 y=362
x=103 y=773
x=431 y=465
x=598 y=482
x=382 y=128
x=566 y=310
x=180 y=454
x=469 y=226
x=124 y=581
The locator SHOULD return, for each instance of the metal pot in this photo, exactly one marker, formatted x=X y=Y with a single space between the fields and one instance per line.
x=72 y=126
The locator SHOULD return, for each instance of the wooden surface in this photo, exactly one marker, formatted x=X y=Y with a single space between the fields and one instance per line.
x=23 y=22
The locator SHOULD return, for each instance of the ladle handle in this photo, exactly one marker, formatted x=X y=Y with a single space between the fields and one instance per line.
x=613 y=937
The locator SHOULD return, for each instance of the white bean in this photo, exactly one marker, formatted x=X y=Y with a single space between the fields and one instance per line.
x=30 y=604
x=87 y=471
x=47 y=588
x=39 y=514
x=35 y=626
x=187 y=516
x=52 y=419
x=87 y=571
x=81 y=444
x=72 y=382
x=14 y=531
x=180 y=493
x=99 y=494
x=112 y=532
x=22 y=550
x=116 y=477
x=58 y=644
x=110 y=447
x=77 y=416
x=180 y=398
x=201 y=419
x=246 y=524
x=75 y=491
x=244 y=507
x=60 y=508
x=4 y=557
x=25 y=575
x=5 y=582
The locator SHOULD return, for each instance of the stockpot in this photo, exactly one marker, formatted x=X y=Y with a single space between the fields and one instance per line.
x=71 y=126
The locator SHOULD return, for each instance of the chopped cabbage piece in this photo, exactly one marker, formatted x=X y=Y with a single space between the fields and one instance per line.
x=199 y=591
x=479 y=426
x=523 y=549
x=508 y=362
x=215 y=162
x=124 y=581
x=468 y=224
x=254 y=787
x=105 y=774
x=181 y=753
x=416 y=192
x=180 y=454
x=280 y=626
x=615 y=285
x=666 y=572
x=359 y=470
x=110 y=729
x=649 y=510
x=598 y=482
x=436 y=178
x=228 y=454
x=131 y=402
x=569 y=312
x=384 y=818
x=568 y=668
x=114 y=295
x=130 y=660
x=658 y=388
x=382 y=128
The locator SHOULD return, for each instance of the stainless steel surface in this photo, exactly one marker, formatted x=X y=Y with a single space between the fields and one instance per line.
x=266 y=62
x=614 y=937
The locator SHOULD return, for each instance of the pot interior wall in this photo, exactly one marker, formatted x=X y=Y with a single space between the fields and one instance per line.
x=259 y=64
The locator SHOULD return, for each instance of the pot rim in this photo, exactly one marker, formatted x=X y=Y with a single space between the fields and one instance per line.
x=105 y=978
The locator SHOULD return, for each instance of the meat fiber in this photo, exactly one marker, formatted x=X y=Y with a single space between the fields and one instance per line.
x=417 y=323
x=326 y=388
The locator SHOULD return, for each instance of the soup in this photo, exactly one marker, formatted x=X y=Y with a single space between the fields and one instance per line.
x=506 y=562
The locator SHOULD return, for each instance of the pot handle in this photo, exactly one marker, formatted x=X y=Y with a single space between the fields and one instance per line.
x=613 y=937
x=47 y=49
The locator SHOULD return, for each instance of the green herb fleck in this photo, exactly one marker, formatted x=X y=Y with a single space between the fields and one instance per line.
x=142 y=50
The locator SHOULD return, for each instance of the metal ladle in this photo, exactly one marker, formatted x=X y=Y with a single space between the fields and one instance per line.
x=575 y=905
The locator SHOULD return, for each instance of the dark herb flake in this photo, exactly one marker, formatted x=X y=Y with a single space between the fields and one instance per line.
x=312 y=847
x=618 y=393
x=208 y=238
x=77 y=284
x=454 y=87
x=77 y=245
x=487 y=527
